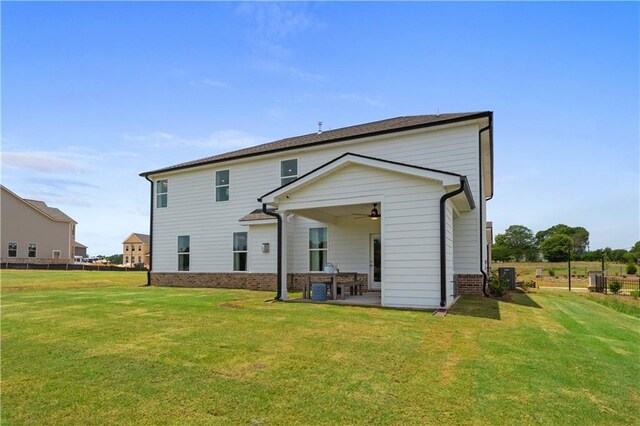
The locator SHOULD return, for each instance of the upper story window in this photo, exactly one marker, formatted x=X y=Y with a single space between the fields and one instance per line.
x=33 y=248
x=126 y=248
x=162 y=190
x=239 y=251
x=288 y=171
x=318 y=248
x=183 y=252
x=222 y=185
x=13 y=249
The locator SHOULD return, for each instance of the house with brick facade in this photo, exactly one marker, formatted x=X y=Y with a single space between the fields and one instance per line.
x=400 y=203
x=135 y=249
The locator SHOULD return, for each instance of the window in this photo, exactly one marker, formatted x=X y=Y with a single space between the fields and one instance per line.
x=183 y=253
x=126 y=259
x=32 y=250
x=239 y=251
x=288 y=171
x=318 y=248
x=222 y=185
x=126 y=248
x=140 y=247
x=162 y=189
x=139 y=259
x=13 y=250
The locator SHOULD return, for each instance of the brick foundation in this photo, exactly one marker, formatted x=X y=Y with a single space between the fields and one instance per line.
x=468 y=284
x=248 y=281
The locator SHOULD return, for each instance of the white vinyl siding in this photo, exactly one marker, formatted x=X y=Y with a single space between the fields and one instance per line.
x=194 y=210
x=259 y=261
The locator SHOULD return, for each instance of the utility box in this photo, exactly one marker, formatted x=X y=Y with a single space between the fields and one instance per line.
x=509 y=277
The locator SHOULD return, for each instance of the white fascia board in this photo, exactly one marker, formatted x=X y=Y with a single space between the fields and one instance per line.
x=258 y=222
x=444 y=178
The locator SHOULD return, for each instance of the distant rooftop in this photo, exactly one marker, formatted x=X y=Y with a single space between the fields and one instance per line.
x=51 y=212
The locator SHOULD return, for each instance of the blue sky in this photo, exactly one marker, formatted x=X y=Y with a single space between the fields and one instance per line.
x=95 y=93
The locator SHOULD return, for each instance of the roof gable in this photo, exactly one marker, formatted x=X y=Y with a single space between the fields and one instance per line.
x=41 y=207
x=137 y=238
x=446 y=178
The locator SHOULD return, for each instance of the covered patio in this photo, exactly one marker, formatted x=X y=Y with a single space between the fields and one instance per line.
x=374 y=218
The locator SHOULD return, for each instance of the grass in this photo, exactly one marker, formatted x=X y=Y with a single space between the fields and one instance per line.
x=113 y=352
x=579 y=270
x=624 y=304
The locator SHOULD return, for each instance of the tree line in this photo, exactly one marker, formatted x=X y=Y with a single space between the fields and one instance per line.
x=518 y=243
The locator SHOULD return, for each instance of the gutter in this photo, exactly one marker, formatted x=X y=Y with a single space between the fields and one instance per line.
x=279 y=219
x=483 y=232
x=464 y=185
x=150 y=231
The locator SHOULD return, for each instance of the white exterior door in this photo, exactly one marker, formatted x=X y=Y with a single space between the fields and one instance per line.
x=375 y=262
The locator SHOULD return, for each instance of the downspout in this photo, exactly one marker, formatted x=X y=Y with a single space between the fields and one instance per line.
x=443 y=241
x=150 y=231
x=483 y=232
x=279 y=219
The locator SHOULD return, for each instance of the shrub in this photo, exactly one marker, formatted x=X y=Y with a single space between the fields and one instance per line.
x=635 y=294
x=526 y=285
x=632 y=268
x=552 y=272
x=497 y=285
x=615 y=286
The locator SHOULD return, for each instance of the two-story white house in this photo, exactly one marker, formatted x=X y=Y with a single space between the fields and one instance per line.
x=401 y=202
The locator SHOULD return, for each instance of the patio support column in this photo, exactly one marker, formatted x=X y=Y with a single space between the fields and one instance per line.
x=283 y=257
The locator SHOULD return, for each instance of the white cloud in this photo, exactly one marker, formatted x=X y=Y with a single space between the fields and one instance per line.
x=207 y=82
x=220 y=141
x=40 y=161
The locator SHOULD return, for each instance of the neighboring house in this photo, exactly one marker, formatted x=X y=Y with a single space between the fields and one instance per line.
x=135 y=249
x=80 y=250
x=34 y=232
x=219 y=221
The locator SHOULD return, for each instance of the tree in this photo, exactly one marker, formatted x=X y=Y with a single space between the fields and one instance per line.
x=499 y=253
x=556 y=248
x=579 y=236
x=115 y=258
x=517 y=242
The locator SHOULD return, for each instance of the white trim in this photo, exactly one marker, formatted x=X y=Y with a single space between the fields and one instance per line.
x=234 y=251
x=323 y=249
x=444 y=178
x=297 y=169
x=35 y=244
x=257 y=222
x=216 y=186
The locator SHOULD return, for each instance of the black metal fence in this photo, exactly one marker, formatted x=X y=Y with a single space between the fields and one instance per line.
x=627 y=285
x=70 y=267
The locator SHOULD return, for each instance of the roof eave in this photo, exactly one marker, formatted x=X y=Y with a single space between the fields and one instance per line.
x=483 y=114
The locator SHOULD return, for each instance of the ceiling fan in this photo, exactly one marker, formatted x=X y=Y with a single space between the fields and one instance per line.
x=374 y=215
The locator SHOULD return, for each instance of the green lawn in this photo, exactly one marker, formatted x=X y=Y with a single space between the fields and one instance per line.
x=109 y=351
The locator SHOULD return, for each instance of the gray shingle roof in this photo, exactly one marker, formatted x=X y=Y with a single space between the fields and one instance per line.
x=257 y=214
x=54 y=213
x=361 y=130
x=142 y=237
